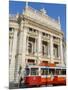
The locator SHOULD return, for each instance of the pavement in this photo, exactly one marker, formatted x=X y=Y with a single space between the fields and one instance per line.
x=16 y=86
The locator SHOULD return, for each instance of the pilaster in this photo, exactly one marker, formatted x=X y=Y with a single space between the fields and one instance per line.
x=51 y=48
x=61 y=52
x=12 y=64
x=39 y=46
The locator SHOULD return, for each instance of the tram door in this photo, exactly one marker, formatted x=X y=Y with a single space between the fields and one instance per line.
x=44 y=75
x=47 y=75
x=51 y=73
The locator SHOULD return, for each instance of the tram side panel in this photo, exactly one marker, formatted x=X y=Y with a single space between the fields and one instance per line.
x=45 y=77
x=60 y=79
x=48 y=76
x=33 y=80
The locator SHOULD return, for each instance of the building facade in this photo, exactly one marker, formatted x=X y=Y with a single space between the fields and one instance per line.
x=34 y=37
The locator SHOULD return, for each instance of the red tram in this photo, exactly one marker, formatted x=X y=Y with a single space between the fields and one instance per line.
x=45 y=75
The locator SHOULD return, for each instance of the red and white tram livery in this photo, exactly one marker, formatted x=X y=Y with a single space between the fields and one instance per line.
x=45 y=75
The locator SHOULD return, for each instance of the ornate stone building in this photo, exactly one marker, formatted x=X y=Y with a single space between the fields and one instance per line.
x=34 y=37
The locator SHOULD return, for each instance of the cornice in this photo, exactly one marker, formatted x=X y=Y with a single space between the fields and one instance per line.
x=40 y=25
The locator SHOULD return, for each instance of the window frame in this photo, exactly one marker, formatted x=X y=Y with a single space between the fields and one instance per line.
x=44 y=70
x=30 y=47
x=36 y=73
x=45 y=51
x=64 y=72
x=55 y=51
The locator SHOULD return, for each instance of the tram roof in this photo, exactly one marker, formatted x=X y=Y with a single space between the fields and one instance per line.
x=35 y=66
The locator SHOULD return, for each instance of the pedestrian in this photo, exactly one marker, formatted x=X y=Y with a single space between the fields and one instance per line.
x=20 y=82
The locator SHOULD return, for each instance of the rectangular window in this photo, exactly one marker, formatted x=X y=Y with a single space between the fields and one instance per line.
x=34 y=71
x=63 y=71
x=44 y=71
x=58 y=71
x=51 y=71
x=31 y=45
x=55 y=50
x=31 y=30
x=31 y=62
x=10 y=29
x=9 y=62
x=11 y=36
x=44 y=48
x=10 y=44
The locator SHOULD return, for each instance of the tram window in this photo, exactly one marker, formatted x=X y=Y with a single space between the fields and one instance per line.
x=27 y=71
x=58 y=71
x=52 y=71
x=34 y=71
x=63 y=72
x=44 y=71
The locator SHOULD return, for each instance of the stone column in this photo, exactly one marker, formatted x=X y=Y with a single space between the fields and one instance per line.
x=35 y=47
x=24 y=47
x=58 y=51
x=61 y=52
x=10 y=46
x=51 y=49
x=27 y=45
x=12 y=65
x=39 y=48
x=48 y=49
x=21 y=51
